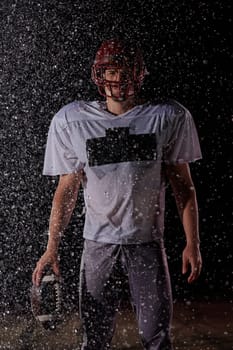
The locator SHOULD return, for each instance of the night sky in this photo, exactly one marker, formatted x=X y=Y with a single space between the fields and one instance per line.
x=47 y=49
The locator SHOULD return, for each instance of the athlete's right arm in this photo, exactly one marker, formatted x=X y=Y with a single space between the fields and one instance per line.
x=64 y=201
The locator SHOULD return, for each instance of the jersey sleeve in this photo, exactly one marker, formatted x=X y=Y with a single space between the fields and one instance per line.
x=60 y=156
x=182 y=140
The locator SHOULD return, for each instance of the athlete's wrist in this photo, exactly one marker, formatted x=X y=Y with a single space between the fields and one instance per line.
x=193 y=242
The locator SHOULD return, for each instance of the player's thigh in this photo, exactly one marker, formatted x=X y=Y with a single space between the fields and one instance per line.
x=97 y=265
x=149 y=282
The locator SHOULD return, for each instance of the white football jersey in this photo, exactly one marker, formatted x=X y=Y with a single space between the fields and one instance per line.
x=122 y=158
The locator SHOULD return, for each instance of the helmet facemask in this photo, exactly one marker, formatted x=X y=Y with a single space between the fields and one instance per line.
x=119 y=89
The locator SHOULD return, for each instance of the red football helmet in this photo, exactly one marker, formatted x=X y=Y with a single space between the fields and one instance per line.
x=119 y=55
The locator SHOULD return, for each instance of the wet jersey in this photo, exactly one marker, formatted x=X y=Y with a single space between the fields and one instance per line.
x=123 y=161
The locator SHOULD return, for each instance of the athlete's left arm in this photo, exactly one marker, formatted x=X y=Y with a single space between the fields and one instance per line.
x=185 y=195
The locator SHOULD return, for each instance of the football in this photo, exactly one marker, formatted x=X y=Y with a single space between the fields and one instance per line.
x=46 y=300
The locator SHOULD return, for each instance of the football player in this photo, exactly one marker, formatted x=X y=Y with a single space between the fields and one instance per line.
x=121 y=152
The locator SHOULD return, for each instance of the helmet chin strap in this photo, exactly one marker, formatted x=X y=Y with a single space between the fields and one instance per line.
x=119 y=98
x=123 y=93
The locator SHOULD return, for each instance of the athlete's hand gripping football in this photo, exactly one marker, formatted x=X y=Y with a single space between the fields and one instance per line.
x=192 y=257
x=48 y=259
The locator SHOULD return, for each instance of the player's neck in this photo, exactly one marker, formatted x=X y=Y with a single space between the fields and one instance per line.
x=122 y=107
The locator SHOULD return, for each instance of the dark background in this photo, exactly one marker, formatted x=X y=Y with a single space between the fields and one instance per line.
x=47 y=49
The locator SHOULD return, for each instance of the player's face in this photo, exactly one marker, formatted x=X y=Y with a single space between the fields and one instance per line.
x=118 y=83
